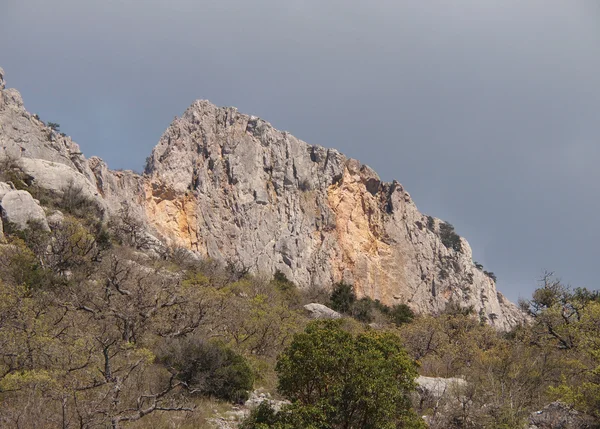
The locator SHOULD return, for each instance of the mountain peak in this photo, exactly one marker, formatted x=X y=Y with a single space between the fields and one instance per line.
x=231 y=187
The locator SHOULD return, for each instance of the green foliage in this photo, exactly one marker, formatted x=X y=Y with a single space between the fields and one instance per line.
x=54 y=126
x=263 y=416
x=211 y=368
x=400 y=314
x=490 y=275
x=366 y=310
x=349 y=381
x=449 y=237
x=342 y=297
x=430 y=223
x=20 y=267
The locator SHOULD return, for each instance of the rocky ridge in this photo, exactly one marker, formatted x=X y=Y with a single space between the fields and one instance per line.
x=231 y=187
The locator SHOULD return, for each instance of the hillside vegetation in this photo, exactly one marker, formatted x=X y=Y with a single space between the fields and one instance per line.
x=95 y=331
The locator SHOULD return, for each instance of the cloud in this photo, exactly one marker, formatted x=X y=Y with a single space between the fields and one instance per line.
x=487 y=112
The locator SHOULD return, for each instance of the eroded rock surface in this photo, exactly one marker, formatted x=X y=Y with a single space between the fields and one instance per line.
x=230 y=187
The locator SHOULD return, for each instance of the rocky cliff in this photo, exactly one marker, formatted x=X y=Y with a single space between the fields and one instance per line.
x=231 y=187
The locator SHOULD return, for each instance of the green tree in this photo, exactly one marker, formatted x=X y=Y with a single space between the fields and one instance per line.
x=342 y=297
x=54 y=126
x=347 y=381
x=210 y=368
x=449 y=237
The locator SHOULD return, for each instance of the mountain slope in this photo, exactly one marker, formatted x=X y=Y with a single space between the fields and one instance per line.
x=231 y=187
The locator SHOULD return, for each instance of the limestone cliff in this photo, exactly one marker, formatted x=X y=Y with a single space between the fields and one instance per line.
x=231 y=187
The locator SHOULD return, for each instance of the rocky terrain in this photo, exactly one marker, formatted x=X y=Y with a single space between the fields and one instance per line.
x=231 y=187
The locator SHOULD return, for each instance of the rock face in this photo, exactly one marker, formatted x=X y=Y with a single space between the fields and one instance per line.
x=229 y=186
x=232 y=187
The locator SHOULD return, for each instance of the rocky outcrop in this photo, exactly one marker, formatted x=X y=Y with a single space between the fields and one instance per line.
x=560 y=416
x=320 y=311
x=20 y=209
x=437 y=387
x=230 y=187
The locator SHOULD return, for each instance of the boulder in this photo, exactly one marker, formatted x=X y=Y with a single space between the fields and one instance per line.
x=58 y=177
x=437 y=387
x=19 y=208
x=320 y=311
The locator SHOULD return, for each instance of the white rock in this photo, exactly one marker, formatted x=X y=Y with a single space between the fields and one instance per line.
x=19 y=208
x=320 y=311
x=5 y=188
x=437 y=387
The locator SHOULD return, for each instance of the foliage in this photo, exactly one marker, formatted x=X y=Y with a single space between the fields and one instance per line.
x=210 y=368
x=54 y=126
x=349 y=381
x=430 y=223
x=94 y=332
x=343 y=300
x=449 y=237
x=342 y=297
x=490 y=274
x=399 y=314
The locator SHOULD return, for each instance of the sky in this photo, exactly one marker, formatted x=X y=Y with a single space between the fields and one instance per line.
x=488 y=112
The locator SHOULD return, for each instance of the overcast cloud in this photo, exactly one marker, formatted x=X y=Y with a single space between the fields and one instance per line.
x=487 y=111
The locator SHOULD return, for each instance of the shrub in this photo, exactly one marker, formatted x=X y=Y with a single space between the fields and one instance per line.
x=400 y=314
x=490 y=275
x=449 y=237
x=342 y=297
x=363 y=310
x=282 y=282
x=54 y=126
x=74 y=201
x=337 y=380
x=430 y=223
x=212 y=369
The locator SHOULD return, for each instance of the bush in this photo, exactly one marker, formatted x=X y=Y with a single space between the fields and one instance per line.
x=212 y=369
x=342 y=297
x=430 y=223
x=490 y=275
x=400 y=314
x=75 y=202
x=449 y=238
x=362 y=310
x=54 y=126
x=337 y=380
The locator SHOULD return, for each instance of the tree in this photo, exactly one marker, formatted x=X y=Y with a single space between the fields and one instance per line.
x=342 y=297
x=210 y=368
x=347 y=381
x=54 y=126
x=449 y=237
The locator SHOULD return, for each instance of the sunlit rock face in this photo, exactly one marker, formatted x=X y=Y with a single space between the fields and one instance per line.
x=230 y=187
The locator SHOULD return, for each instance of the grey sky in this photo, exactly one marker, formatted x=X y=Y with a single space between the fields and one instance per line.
x=487 y=111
